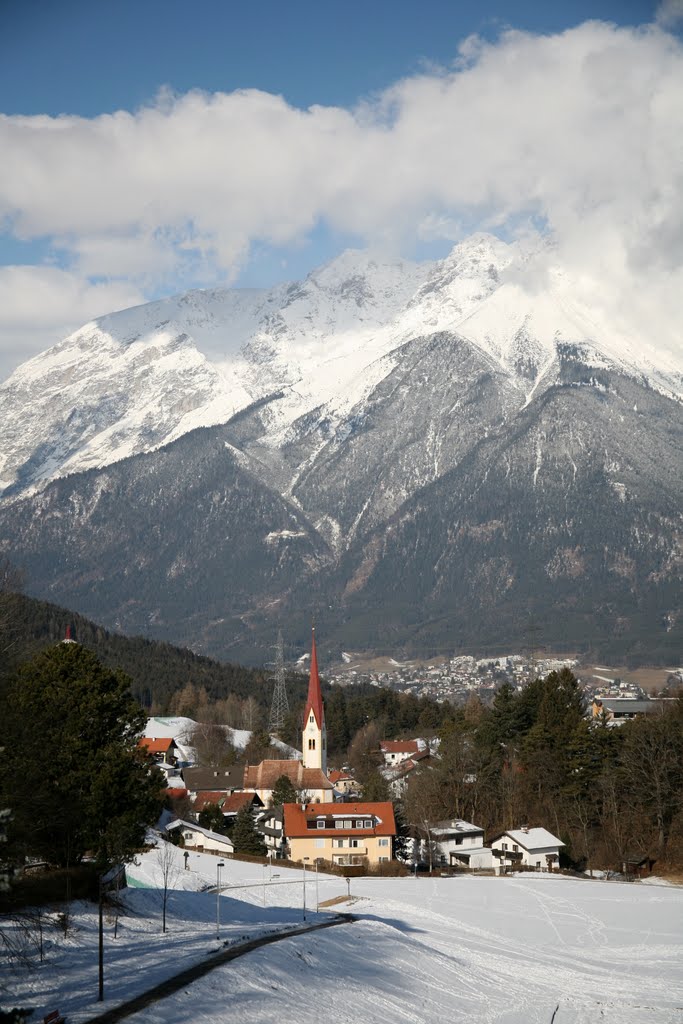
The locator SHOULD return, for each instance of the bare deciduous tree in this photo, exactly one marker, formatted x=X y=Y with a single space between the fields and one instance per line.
x=169 y=871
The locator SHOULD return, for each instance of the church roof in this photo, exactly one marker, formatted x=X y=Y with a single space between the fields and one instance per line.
x=314 y=701
x=266 y=774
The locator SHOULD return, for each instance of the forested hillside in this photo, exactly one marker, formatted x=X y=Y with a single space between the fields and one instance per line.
x=174 y=680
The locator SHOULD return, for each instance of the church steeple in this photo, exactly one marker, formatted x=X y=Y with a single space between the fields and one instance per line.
x=314 y=738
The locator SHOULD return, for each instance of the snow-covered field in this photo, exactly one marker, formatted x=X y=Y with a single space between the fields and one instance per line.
x=514 y=950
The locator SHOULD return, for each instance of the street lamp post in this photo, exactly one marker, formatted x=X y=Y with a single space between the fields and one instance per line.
x=305 y=859
x=264 y=884
x=317 y=896
x=219 y=865
x=348 y=886
x=100 y=973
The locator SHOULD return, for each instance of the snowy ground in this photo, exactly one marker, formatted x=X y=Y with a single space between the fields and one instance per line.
x=479 y=950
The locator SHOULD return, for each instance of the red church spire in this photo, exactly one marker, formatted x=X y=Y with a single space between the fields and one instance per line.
x=314 y=701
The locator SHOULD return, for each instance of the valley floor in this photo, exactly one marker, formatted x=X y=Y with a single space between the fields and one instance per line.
x=516 y=950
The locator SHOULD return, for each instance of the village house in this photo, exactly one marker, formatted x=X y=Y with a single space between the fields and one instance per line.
x=461 y=844
x=217 y=780
x=395 y=751
x=345 y=834
x=399 y=776
x=344 y=783
x=270 y=823
x=163 y=751
x=622 y=709
x=203 y=840
x=527 y=847
x=229 y=804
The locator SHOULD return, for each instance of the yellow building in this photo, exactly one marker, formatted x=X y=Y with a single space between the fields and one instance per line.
x=354 y=833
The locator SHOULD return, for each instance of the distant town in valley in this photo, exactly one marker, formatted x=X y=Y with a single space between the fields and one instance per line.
x=457 y=678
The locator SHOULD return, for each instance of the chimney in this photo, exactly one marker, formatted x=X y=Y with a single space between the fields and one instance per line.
x=525 y=829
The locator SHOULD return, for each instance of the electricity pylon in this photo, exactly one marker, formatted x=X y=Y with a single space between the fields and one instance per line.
x=280 y=705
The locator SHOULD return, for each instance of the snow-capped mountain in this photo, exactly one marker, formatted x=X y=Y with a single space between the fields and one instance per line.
x=427 y=452
x=132 y=381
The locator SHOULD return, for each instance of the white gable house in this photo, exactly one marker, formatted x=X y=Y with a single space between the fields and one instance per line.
x=528 y=847
x=461 y=844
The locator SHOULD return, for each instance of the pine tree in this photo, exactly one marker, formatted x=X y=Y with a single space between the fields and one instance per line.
x=74 y=776
x=284 y=792
x=245 y=835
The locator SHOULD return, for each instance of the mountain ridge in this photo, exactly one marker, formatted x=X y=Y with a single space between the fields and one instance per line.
x=424 y=485
x=131 y=381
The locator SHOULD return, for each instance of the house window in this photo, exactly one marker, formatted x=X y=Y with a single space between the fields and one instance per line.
x=311 y=744
x=320 y=823
x=320 y=844
x=515 y=848
x=384 y=842
x=339 y=823
x=367 y=824
x=311 y=719
x=338 y=843
x=458 y=840
x=505 y=846
x=347 y=823
x=381 y=859
x=353 y=843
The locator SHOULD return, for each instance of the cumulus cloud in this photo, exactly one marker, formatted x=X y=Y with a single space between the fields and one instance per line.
x=669 y=13
x=40 y=305
x=581 y=131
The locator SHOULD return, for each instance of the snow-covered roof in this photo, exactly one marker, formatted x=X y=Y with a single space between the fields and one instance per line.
x=190 y=825
x=456 y=825
x=533 y=838
x=470 y=851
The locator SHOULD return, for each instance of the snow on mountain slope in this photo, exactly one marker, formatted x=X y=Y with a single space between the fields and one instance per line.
x=132 y=381
x=522 y=328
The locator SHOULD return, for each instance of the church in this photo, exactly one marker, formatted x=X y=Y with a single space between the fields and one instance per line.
x=308 y=776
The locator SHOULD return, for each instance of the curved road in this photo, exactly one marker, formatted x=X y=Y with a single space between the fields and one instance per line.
x=178 y=981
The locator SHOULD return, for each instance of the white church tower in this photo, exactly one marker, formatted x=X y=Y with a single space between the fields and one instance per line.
x=314 y=733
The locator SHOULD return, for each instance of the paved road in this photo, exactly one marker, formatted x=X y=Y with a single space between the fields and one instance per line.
x=178 y=981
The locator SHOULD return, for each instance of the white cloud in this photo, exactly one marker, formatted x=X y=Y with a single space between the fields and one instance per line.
x=40 y=305
x=582 y=130
x=669 y=13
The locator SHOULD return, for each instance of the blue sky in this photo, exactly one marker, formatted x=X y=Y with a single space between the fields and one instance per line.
x=93 y=56
x=280 y=210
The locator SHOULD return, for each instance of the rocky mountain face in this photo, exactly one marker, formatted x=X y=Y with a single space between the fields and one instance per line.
x=422 y=457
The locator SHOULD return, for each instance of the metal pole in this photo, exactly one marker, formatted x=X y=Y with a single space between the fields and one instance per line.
x=264 y=885
x=317 y=897
x=348 y=887
x=304 y=890
x=100 y=993
x=219 y=865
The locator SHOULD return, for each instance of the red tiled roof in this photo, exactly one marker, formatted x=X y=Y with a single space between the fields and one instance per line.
x=399 y=746
x=266 y=774
x=175 y=792
x=296 y=820
x=337 y=776
x=236 y=801
x=161 y=746
x=206 y=797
